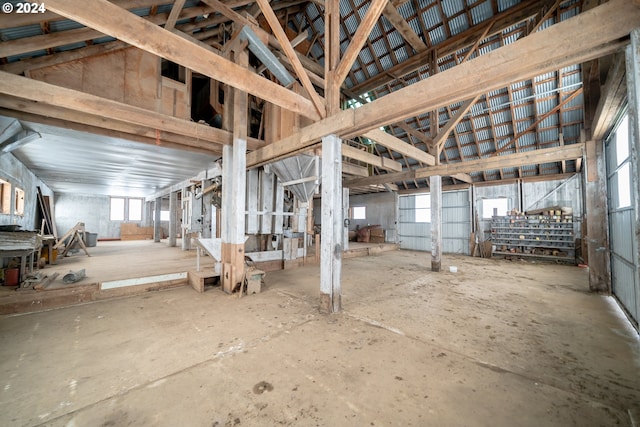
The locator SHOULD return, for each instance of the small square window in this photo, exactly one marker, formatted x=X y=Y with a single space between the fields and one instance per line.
x=359 y=212
x=117 y=209
x=501 y=206
x=135 y=209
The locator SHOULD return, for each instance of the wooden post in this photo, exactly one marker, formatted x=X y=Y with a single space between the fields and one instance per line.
x=633 y=93
x=345 y=215
x=173 y=217
x=234 y=184
x=332 y=226
x=156 y=221
x=186 y=219
x=435 y=184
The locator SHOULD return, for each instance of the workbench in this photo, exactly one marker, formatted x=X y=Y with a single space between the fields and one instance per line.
x=23 y=245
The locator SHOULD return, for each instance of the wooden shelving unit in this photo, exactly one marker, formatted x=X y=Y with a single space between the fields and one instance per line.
x=540 y=236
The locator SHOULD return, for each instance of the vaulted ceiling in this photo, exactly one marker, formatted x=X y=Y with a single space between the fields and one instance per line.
x=385 y=48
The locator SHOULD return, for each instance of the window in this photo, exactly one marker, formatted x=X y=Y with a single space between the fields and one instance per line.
x=19 y=201
x=164 y=215
x=117 y=209
x=173 y=71
x=423 y=208
x=359 y=212
x=622 y=141
x=135 y=210
x=624 y=186
x=501 y=206
x=5 y=197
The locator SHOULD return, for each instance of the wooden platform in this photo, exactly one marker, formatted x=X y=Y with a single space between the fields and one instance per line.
x=115 y=269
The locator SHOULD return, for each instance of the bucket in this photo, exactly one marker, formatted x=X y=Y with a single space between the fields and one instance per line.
x=453 y=269
x=90 y=239
x=12 y=277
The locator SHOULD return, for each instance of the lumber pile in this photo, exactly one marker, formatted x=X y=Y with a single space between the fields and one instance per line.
x=131 y=231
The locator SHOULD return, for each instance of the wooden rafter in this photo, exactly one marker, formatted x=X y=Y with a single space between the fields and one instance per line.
x=112 y=20
x=400 y=146
x=391 y=13
x=173 y=16
x=274 y=23
x=359 y=39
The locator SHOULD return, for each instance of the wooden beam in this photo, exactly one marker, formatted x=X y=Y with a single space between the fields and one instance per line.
x=55 y=96
x=443 y=133
x=533 y=157
x=123 y=25
x=464 y=177
x=138 y=135
x=405 y=30
x=586 y=36
x=400 y=146
x=546 y=155
x=359 y=38
x=371 y=159
x=274 y=23
x=173 y=16
x=613 y=95
x=332 y=55
x=351 y=169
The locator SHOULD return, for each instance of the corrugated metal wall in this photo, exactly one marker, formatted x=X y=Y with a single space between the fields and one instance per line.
x=456 y=224
x=621 y=231
x=413 y=235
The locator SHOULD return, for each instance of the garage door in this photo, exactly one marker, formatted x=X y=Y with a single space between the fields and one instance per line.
x=414 y=228
x=624 y=271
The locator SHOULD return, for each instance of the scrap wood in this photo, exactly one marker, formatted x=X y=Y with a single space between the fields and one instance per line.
x=48 y=280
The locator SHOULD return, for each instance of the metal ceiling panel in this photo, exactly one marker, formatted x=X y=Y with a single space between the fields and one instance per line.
x=69 y=161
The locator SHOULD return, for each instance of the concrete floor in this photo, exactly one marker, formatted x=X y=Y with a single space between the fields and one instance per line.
x=497 y=344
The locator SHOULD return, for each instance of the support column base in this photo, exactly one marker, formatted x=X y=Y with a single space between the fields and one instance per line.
x=232 y=266
x=436 y=265
x=330 y=305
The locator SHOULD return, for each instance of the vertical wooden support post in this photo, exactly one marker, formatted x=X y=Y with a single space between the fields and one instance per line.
x=234 y=186
x=435 y=185
x=186 y=219
x=345 y=215
x=332 y=55
x=332 y=226
x=597 y=237
x=156 y=220
x=173 y=217
x=633 y=93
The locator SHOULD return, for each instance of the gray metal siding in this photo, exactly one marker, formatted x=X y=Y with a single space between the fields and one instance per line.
x=456 y=224
x=622 y=231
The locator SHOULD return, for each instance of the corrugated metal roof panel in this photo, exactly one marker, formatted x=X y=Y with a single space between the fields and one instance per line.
x=550 y=121
x=63 y=25
x=437 y=35
x=503 y=131
x=351 y=24
x=458 y=24
x=72 y=46
x=470 y=151
x=395 y=40
x=501 y=117
x=431 y=17
x=7 y=34
x=481 y=122
x=549 y=135
x=527 y=141
x=452 y=7
x=545 y=105
x=481 y=12
x=401 y=53
x=506 y=4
